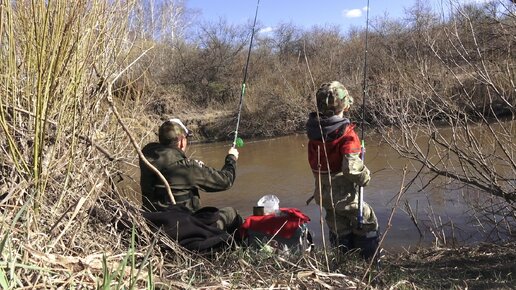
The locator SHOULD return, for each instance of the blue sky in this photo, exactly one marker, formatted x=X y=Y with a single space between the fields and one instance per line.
x=305 y=13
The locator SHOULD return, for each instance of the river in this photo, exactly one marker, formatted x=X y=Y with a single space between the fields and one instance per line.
x=279 y=166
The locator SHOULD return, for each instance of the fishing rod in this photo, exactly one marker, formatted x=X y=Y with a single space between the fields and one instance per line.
x=238 y=141
x=362 y=145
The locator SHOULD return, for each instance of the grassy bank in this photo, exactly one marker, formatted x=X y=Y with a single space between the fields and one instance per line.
x=106 y=252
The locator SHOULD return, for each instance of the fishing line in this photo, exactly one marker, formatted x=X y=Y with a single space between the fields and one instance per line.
x=362 y=147
x=238 y=141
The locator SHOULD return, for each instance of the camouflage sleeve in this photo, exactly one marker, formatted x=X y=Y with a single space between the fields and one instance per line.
x=354 y=169
x=212 y=180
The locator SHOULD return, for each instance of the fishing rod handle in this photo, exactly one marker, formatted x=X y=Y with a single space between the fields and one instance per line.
x=360 y=215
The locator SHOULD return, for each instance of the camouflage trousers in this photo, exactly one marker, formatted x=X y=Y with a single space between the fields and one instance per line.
x=340 y=201
x=342 y=220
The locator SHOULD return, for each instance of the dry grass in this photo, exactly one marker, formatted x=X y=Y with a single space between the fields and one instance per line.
x=64 y=221
x=485 y=266
x=92 y=245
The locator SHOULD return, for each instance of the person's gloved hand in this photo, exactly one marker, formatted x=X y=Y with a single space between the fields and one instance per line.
x=234 y=152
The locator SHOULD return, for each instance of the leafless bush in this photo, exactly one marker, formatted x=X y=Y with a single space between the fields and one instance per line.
x=451 y=99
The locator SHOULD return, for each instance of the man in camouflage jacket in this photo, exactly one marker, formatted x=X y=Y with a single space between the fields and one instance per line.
x=185 y=176
x=334 y=149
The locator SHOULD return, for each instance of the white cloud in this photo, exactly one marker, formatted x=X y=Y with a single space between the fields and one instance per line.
x=266 y=29
x=353 y=13
x=365 y=8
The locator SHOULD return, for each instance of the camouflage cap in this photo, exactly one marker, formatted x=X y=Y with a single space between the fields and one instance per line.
x=332 y=98
x=171 y=130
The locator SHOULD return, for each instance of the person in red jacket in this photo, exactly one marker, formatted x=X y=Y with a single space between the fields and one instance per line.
x=334 y=150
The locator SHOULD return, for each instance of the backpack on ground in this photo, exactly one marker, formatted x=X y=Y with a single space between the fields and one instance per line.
x=286 y=230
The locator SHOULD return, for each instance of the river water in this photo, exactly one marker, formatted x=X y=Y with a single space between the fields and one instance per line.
x=279 y=166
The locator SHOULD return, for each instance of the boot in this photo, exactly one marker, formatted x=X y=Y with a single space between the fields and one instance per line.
x=367 y=244
x=344 y=242
x=234 y=230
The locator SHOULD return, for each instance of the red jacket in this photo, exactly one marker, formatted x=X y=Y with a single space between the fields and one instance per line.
x=347 y=143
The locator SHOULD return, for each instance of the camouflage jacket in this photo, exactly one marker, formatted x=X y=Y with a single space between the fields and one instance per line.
x=343 y=154
x=185 y=177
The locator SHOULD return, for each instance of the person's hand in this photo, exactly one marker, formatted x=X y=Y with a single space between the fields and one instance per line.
x=234 y=152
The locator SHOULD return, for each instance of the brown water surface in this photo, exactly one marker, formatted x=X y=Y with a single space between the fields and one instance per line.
x=279 y=166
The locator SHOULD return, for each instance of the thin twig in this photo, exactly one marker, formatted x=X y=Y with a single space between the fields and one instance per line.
x=413 y=217
x=133 y=141
x=389 y=224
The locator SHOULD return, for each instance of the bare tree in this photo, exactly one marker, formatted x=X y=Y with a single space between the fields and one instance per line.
x=451 y=99
x=164 y=21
